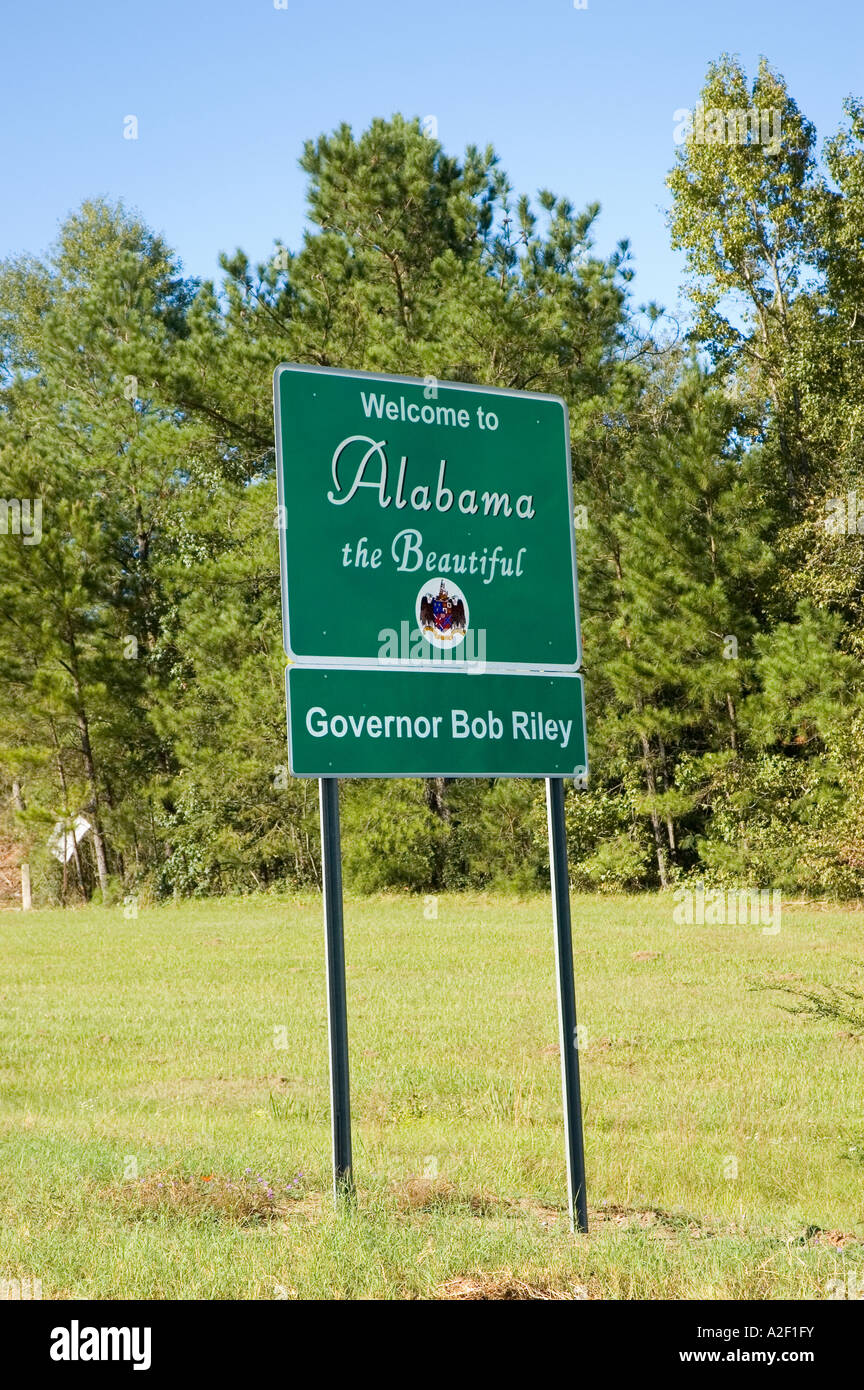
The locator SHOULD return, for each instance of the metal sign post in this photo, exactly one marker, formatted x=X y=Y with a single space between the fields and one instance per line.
x=568 y=1034
x=337 y=1011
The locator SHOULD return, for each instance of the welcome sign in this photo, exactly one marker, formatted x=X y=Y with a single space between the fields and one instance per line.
x=431 y=624
x=424 y=520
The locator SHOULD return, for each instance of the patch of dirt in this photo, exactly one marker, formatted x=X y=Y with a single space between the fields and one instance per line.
x=835 y=1240
x=504 y=1286
x=11 y=856
x=665 y=1223
x=646 y=955
x=547 y=1216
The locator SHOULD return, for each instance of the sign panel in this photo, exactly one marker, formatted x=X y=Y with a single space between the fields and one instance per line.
x=354 y=722
x=421 y=517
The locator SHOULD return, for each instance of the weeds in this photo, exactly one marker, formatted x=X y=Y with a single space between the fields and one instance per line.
x=247 y=1200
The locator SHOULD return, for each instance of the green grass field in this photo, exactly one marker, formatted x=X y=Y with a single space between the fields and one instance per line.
x=147 y=1064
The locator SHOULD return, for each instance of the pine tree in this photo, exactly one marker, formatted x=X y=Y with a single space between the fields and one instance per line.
x=82 y=433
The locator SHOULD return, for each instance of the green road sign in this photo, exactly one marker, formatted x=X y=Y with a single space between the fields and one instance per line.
x=374 y=722
x=424 y=517
x=430 y=616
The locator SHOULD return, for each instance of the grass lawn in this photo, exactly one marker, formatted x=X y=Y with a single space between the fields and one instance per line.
x=154 y=1069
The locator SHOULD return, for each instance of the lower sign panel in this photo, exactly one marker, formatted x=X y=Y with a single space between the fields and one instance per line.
x=383 y=722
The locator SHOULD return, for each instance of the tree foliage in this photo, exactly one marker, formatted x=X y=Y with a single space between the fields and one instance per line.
x=141 y=671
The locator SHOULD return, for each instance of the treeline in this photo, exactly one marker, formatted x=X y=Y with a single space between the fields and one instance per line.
x=720 y=567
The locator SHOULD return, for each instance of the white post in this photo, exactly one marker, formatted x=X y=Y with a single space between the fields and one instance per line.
x=18 y=803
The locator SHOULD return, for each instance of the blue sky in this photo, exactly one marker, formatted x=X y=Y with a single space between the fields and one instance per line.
x=226 y=91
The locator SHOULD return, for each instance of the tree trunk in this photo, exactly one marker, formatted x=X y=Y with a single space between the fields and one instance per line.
x=436 y=800
x=96 y=826
x=670 y=825
x=655 y=819
x=733 y=721
x=90 y=769
x=26 y=895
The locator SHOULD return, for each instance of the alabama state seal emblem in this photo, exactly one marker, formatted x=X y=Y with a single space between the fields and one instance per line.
x=442 y=613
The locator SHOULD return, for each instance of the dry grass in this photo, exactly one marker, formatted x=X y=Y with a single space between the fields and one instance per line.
x=435 y=1194
x=504 y=1286
x=246 y=1201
